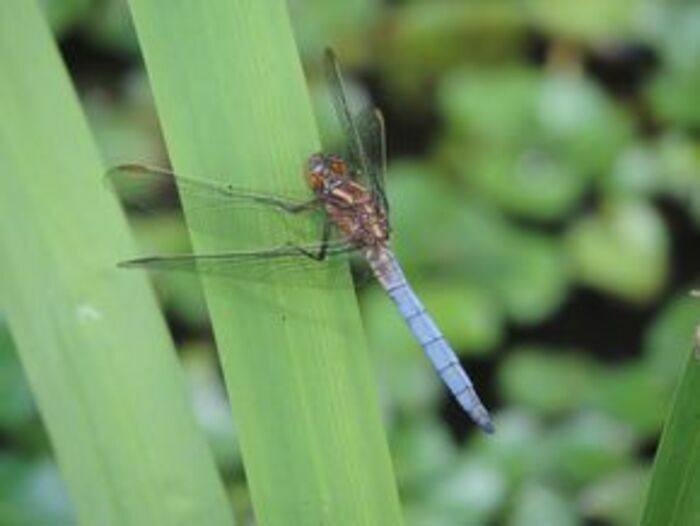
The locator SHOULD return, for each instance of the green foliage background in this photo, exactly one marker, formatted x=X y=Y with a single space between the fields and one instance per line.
x=545 y=181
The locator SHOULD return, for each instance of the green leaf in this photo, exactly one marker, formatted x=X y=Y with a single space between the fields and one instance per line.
x=667 y=166
x=537 y=277
x=347 y=24
x=673 y=98
x=586 y=447
x=679 y=164
x=427 y=38
x=674 y=90
x=518 y=447
x=547 y=381
x=528 y=181
x=594 y=20
x=16 y=404
x=492 y=106
x=419 y=201
x=633 y=394
x=423 y=453
x=621 y=250
x=675 y=482
x=233 y=104
x=64 y=14
x=634 y=173
x=110 y=26
x=676 y=35
x=616 y=498
x=33 y=494
x=581 y=123
x=470 y=493
x=539 y=504
x=531 y=143
x=94 y=346
x=669 y=336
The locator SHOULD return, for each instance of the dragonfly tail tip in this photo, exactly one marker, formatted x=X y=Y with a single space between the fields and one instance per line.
x=488 y=427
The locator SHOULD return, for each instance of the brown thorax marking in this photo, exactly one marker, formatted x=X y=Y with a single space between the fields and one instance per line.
x=353 y=210
x=350 y=206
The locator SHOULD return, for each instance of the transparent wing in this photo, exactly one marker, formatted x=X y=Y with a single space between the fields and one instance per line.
x=214 y=206
x=370 y=123
x=138 y=183
x=364 y=133
x=288 y=264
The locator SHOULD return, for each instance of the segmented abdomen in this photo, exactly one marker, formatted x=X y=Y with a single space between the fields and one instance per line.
x=443 y=358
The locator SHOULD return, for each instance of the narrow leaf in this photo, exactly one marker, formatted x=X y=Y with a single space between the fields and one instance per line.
x=90 y=336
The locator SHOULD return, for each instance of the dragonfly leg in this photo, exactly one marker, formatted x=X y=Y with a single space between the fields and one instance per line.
x=291 y=207
x=319 y=255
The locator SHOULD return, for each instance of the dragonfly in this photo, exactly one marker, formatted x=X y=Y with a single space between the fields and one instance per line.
x=349 y=193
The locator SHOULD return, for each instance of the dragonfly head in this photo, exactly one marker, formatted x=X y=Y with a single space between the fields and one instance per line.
x=326 y=171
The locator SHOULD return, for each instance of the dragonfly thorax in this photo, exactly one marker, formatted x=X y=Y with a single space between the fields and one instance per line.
x=326 y=172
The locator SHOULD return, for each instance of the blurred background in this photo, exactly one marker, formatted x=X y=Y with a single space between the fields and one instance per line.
x=545 y=181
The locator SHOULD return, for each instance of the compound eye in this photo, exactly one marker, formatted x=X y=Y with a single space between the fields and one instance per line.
x=316 y=163
x=337 y=167
x=316 y=177
x=316 y=180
